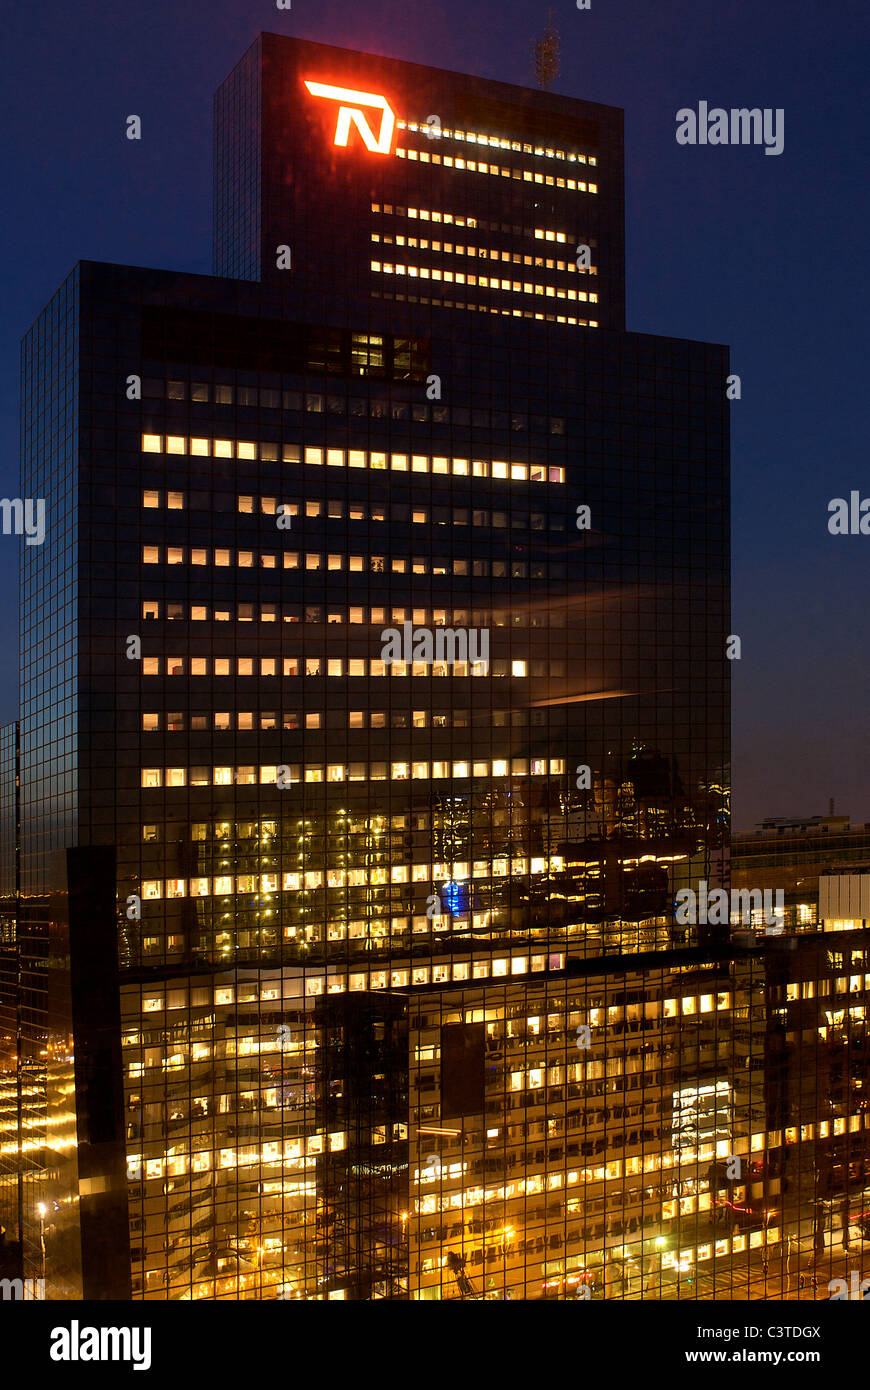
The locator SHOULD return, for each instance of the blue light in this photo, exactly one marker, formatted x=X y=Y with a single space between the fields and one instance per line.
x=455 y=897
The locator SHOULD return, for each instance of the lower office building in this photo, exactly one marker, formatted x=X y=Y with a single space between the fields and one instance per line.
x=790 y=854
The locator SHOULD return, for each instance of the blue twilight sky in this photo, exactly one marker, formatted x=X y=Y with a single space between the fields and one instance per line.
x=767 y=254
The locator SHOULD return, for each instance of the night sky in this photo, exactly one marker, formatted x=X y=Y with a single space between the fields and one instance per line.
x=768 y=254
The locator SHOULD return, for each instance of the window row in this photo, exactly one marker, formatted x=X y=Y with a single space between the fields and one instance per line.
x=336 y=509
x=498 y=142
x=355 y=564
x=357 y=407
x=485 y=309
x=484 y=282
x=227 y=994
x=337 y=666
x=175 y=721
x=287 y=774
x=480 y=224
x=482 y=253
x=172 y=610
x=479 y=166
x=309 y=879
x=180 y=1163
x=375 y=460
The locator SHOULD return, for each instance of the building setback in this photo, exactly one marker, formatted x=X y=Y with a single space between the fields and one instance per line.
x=357 y=970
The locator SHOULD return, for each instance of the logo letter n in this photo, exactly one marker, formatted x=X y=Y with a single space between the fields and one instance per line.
x=350 y=111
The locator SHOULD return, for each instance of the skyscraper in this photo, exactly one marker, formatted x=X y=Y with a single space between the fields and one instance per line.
x=373 y=708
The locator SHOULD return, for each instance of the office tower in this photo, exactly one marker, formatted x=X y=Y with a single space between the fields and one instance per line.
x=801 y=1030
x=374 y=706
x=816 y=1066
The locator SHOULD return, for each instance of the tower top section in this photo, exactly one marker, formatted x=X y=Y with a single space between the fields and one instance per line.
x=339 y=170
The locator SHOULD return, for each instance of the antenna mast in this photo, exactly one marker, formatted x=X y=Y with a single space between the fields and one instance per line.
x=546 y=54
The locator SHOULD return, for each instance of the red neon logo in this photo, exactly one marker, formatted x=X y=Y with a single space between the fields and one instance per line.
x=379 y=144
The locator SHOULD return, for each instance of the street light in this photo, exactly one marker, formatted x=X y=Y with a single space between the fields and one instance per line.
x=43 y=1210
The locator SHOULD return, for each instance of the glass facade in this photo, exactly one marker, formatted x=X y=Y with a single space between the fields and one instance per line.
x=237 y=195
x=376 y=662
